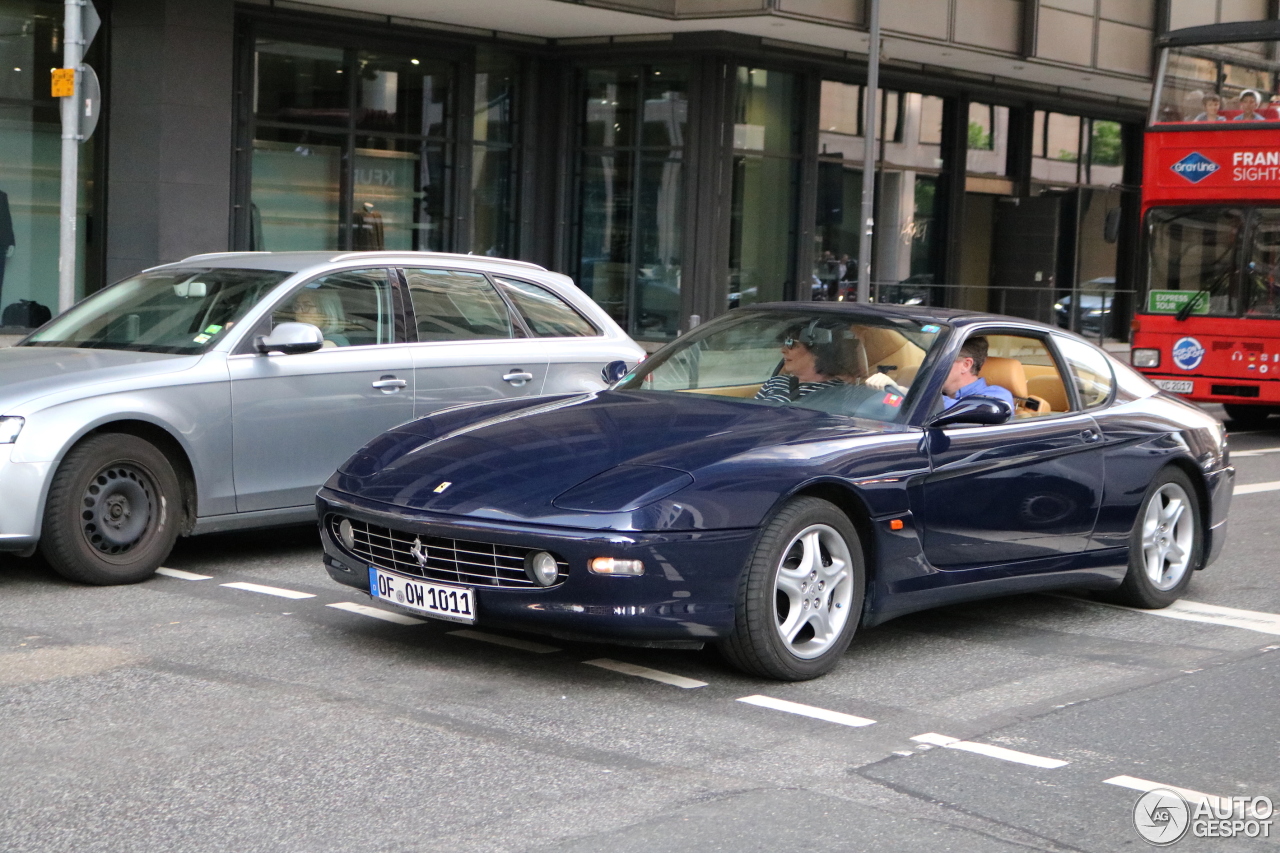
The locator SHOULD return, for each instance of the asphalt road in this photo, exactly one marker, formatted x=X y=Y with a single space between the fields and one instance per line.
x=186 y=715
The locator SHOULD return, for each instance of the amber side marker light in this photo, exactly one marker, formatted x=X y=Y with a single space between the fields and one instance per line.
x=896 y=524
x=612 y=566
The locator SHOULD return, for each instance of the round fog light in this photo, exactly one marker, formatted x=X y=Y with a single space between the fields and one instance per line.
x=346 y=534
x=542 y=568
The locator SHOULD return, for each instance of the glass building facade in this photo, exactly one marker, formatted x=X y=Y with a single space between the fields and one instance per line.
x=674 y=176
x=31 y=166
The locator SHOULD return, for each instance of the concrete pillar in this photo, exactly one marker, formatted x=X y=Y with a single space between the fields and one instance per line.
x=170 y=120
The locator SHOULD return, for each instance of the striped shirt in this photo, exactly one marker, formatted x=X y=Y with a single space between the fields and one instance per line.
x=778 y=388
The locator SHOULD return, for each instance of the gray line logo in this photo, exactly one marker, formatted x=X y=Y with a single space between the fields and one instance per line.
x=1161 y=817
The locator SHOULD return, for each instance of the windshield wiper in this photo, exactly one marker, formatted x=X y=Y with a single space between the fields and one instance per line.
x=1209 y=289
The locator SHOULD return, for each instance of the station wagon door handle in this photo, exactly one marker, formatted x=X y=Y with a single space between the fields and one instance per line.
x=390 y=384
x=518 y=377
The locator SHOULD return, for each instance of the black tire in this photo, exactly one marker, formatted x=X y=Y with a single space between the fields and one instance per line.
x=758 y=645
x=1140 y=588
x=1247 y=417
x=111 y=515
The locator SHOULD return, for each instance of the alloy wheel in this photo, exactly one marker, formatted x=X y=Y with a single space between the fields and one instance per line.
x=813 y=591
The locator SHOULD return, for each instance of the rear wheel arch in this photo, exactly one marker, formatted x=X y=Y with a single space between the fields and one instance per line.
x=1196 y=475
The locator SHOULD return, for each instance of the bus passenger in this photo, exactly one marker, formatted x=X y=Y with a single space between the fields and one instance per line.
x=1249 y=100
x=1212 y=103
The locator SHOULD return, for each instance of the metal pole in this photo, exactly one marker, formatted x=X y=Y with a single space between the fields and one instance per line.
x=72 y=56
x=869 y=137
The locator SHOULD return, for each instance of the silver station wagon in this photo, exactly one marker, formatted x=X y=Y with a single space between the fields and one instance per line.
x=219 y=392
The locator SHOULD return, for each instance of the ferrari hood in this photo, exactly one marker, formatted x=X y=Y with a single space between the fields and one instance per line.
x=518 y=465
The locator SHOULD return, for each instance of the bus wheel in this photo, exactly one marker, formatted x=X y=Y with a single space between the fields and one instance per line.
x=1247 y=417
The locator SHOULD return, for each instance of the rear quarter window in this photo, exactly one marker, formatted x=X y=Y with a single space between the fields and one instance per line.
x=547 y=315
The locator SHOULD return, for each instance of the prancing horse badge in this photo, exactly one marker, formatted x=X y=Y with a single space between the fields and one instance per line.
x=440 y=488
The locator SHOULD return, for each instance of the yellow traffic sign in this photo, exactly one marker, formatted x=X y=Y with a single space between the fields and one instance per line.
x=64 y=82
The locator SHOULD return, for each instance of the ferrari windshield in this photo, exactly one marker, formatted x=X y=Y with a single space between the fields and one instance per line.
x=175 y=311
x=844 y=363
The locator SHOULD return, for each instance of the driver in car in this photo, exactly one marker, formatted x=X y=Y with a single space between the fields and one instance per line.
x=811 y=359
x=964 y=381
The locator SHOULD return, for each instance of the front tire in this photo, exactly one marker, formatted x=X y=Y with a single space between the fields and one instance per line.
x=1247 y=417
x=1166 y=545
x=110 y=516
x=801 y=593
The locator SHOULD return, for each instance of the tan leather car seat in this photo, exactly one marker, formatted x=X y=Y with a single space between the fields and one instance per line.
x=1049 y=386
x=1009 y=374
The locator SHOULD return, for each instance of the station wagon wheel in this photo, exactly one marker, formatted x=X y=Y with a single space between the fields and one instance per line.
x=1166 y=544
x=801 y=594
x=110 y=515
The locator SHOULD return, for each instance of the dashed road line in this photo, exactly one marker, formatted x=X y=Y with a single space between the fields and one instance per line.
x=268 y=590
x=509 y=642
x=935 y=739
x=1186 y=793
x=807 y=711
x=376 y=613
x=1253 y=488
x=645 y=672
x=1212 y=614
x=181 y=575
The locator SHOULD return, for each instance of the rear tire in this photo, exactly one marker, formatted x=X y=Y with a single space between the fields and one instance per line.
x=800 y=596
x=111 y=513
x=1248 y=417
x=1166 y=545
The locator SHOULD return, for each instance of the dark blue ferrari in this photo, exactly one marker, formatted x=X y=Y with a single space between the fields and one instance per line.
x=784 y=474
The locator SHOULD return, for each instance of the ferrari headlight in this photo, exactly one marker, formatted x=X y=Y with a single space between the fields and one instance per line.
x=1145 y=358
x=9 y=429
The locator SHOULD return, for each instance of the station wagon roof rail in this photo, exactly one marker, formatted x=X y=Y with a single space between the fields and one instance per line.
x=297 y=261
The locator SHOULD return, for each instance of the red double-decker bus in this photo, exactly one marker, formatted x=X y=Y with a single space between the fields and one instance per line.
x=1208 y=326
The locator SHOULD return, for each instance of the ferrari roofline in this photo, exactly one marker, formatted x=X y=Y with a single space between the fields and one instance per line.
x=955 y=317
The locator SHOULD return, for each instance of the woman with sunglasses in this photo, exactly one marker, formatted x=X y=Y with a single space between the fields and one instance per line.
x=811 y=360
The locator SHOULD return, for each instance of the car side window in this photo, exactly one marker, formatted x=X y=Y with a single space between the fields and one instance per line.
x=450 y=305
x=548 y=315
x=351 y=308
x=1090 y=371
x=1025 y=367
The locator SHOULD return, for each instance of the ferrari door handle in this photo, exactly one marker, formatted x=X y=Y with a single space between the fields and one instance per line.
x=518 y=377
x=390 y=384
x=1091 y=435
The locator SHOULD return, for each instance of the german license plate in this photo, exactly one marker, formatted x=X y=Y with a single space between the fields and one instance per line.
x=441 y=601
x=1177 y=386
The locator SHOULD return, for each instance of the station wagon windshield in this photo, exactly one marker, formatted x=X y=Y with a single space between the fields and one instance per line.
x=842 y=363
x=171 y=311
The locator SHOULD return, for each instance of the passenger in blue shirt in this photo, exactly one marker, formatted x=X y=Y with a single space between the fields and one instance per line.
x=964 y=381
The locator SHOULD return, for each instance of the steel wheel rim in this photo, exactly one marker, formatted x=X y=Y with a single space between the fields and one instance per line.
x=1168 y=536
x=116 y=509
x=813 y=591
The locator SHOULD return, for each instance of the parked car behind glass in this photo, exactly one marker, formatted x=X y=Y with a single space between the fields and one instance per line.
x=219 y=392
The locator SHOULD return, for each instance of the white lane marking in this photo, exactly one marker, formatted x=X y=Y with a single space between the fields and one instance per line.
x=1213 y=614
x=376 y=613
x=645 y=672
x=807 y=711
x=181 y=575
x=990 y=751
x=1193 y=797
x=509 y=642
x=1257 y=487
x=268 y=590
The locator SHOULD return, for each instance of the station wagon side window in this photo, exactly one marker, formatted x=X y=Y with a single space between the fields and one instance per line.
x=351 y=308
x=547 y=315
x=451 y=305
x=1090 y=371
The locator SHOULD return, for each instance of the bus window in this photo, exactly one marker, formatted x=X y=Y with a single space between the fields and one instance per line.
x=1212 y=83
x=1195 y=249
x=1262 y=280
